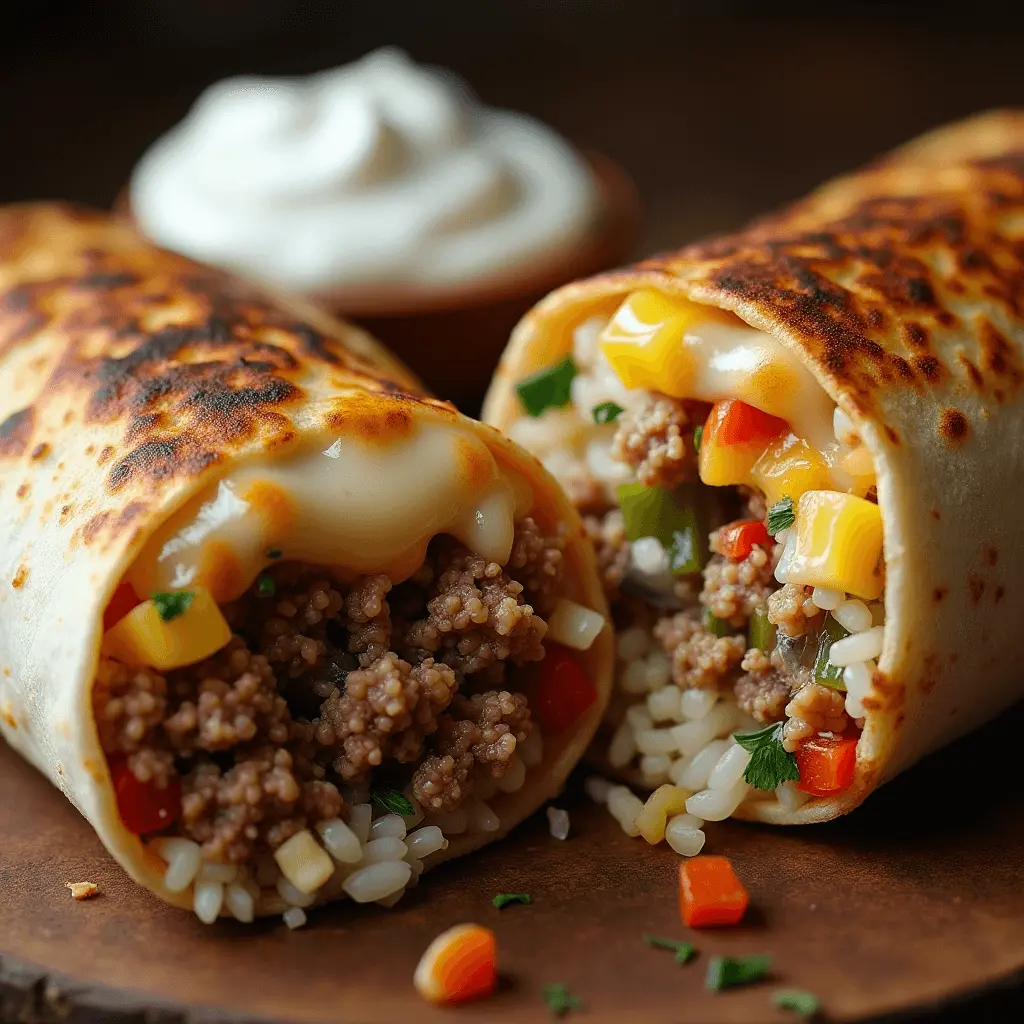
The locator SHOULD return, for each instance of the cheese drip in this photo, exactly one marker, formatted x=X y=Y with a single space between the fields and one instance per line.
x=347 y=503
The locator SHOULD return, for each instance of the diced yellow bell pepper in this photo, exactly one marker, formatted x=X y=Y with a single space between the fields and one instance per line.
x=838 y=544
x=722 y=465
x=144 y=639
x=643 y=342
x=790 y=466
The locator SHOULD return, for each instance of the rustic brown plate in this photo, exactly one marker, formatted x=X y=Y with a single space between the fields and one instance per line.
x=909 y=902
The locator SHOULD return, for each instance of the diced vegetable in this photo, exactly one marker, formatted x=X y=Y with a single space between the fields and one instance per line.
x=503 y=899
x=728 y=971
x=547 y=389
x=684 y=951
x=781 y=515
x=710 y=893
x=824 y=671
x=698 y=436
x=607 y=412
x=564 y=692
x=142 y=806
x=654 y=512
x=763 y=634
x=120 y=604
x=266 y=587
x=827 y=765
x=836 y=543
x=737 y=540
x=644 y=343
x=573 y=625
x=770 y=764
x=560 y=1000
x=171 y=604
x=304 y=862
x=797 y=1000
x=713 y=624
x=147 y=637
x=735 y=435
x=790 y=466
x=460 y=964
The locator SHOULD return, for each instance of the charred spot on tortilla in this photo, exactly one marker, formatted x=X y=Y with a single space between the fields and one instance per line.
x=16 y=432
x=940 y=594
x=999 y=593
x=23 y=489
x=954 y=427
x=106 y=281
x=990 y=555
x=975 y=586
x=20 y=577
x=892 y=434
x=916 y=334
x=902 y=367
x=998 y=355
x=158 y=460
x=929 y=367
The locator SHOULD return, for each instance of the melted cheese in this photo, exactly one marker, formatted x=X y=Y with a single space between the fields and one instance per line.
x=351 y=504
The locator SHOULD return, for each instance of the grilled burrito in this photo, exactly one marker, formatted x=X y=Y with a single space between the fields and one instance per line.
x=281 y=626
x=793 y=447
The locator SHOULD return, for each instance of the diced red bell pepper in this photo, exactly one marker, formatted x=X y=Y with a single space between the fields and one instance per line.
x=736 y=540
x=563 y=693
x=710 y=893
x=827 y=765
x=733 y=422
x=143 y=807
x=123 y=601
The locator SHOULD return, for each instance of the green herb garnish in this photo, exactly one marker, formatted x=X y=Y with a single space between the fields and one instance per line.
x=548 y=389
x=713 y=624
x=171 y=605
x=762 y=633
x=274 y=553
x=727 y=971
x=824 y=671
x=771 y=764
x=607 y=412
x=560 y=1000
x=781 y=515
x=503 y=899
x=801 y=1002
x=266 y=587
x=393 y=801
x=698 y=436
x=654 y=512
x=684 y=951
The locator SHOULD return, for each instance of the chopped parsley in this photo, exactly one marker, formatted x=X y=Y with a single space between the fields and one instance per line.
x=715 y=625
x=771 y=763
x=698 y=436
x=824 y=671
x=171 y=605
x=781 y=515
x=393 y=801
x=503 y=899
x=607 y=412
x=684 y=951
x=274 y=553
x=560 y=1000
x=266 y=587
x=548 y=389
x=728 y=971
x=802 y=1003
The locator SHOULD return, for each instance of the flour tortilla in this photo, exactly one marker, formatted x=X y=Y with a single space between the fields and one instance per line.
x=901 y=287
x=130 y=379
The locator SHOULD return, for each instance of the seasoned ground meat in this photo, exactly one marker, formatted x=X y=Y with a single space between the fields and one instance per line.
x=537 y=562
x=792 y=610
x=128 y=703
x=479 y=737
x=757 y=507
x=385 y=711
x=699 y=658
x=761 y=692
x=368 y=618
x=813 y=709
x=657 y=440
x=608 y=535
x=294 y=633
x=735 y=590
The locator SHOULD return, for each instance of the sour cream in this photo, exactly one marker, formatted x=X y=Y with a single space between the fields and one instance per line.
x=380 y=175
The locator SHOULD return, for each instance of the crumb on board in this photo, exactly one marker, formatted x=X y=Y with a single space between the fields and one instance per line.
x=82 y=890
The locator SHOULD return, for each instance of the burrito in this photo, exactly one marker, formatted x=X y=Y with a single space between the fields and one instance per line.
x=283 y=628
x=793 y=447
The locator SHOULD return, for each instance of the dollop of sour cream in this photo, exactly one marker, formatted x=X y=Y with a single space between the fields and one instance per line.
x=380 y=174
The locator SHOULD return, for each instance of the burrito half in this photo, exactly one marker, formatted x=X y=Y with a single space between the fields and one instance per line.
x=283 y=628
x=798 y=450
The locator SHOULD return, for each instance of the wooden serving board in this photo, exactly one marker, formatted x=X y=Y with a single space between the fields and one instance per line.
x=911 y=901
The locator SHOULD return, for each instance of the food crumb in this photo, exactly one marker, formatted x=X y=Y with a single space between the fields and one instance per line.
x=83 y=890
x=294 y=917
x=558 y=822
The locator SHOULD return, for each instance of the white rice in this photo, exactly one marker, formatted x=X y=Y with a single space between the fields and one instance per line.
x=207 y=900
x=184 y=858
x=376 y=881
x=240 y=902
x=425 y=841
x=730 y=768
x=853 y=615
x=683 y=837
x=388 y=826
x=558 y=822
x=386 y=848
x=341 y=842
x=858 y=647
x=597 y=788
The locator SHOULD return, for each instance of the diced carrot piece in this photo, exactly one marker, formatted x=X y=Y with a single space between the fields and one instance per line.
x=564 y=691
x=743 y=424
x=710 y=893
x=121 y=603
x=827 y=765
x=460 y=964
x=736 y=540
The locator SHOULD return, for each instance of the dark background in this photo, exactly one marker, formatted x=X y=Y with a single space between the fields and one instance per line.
x=718 y=110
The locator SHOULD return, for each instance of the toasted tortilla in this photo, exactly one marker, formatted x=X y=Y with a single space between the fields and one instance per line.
x=132 y=378
x=901 y=287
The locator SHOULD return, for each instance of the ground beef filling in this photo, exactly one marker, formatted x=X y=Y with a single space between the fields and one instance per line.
x=328 y=683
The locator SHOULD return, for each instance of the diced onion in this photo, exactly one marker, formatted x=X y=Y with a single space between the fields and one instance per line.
x=304 y=862
x=574 y=625
x=294 y=917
